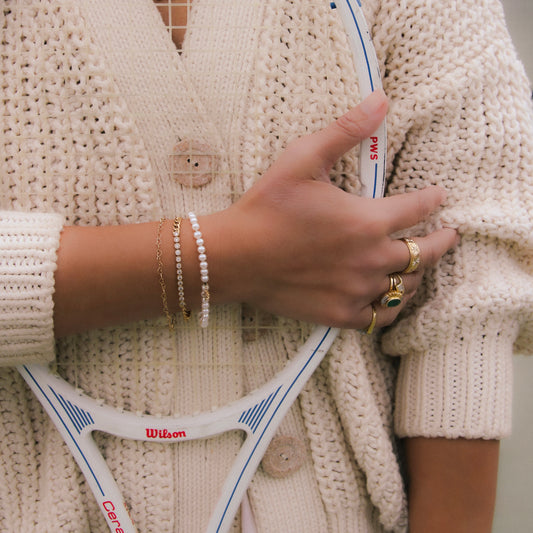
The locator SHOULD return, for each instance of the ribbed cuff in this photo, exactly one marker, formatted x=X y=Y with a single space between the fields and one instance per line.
x=460 y=388
x=28 y=250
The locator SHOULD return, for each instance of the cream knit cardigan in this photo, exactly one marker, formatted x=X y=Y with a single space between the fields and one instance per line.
x=79 y=146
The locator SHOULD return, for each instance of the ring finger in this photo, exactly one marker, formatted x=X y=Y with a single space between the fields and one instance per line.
x=407 y=284
x=379 y=316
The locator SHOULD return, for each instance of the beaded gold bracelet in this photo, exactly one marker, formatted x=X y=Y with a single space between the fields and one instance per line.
x=176 y=230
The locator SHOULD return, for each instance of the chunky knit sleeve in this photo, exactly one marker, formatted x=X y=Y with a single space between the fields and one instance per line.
x=461 y=117
x=28 y=246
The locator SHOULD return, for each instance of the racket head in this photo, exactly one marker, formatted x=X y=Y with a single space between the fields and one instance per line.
x=238 y=121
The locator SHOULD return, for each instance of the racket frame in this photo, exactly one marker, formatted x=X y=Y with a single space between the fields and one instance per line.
x=77 y=416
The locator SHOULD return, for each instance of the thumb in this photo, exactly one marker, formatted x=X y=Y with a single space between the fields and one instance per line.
x=312 y=156
x=350 y=129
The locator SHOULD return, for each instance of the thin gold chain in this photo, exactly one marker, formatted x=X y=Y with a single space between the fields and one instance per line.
x=159 y=259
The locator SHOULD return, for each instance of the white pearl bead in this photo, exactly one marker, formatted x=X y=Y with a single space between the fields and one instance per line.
x=204 y=276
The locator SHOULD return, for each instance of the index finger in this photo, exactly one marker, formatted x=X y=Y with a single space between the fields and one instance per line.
x=408 y=209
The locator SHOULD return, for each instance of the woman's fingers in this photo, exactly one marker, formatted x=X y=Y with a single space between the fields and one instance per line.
x=432 y=247
x=313 y=252
x=350 y=129
x=311 y=157
x=378 y=315
x=408 y=209
x=435 y=245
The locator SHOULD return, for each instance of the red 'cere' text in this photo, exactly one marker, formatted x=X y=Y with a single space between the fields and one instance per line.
x=112 y=516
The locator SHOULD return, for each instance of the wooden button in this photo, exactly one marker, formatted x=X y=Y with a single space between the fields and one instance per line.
x=284 y=456
x=193 y=164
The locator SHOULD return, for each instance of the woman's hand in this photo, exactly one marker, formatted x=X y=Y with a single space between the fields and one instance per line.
x=295 y=245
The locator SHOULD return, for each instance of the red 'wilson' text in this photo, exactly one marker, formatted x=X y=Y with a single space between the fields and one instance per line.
x=153 y=433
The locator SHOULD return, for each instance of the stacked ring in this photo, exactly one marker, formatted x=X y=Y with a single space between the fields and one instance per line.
x=372 y=325
x=414 y=256
x=394 y=295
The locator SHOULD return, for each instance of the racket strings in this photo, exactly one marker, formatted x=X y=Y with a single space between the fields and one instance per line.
x=208 y=369
x=254 y=113
x=175 y=14
x=176 y=373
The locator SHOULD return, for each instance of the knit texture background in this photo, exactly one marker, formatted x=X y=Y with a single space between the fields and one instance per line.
x=95 y=101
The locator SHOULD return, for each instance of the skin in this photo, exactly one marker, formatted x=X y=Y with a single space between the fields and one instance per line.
x=175 y=16
x=452 y=485
x=292 y=240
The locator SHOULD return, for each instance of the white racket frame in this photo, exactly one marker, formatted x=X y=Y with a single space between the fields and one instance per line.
x=77 y=416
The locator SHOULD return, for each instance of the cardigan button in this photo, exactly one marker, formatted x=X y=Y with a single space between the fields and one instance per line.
x=284 y=456
x=193 y=164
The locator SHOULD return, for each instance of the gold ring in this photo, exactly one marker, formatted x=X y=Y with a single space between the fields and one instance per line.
x=414 y=256
x=393 y=296
x=372 y=325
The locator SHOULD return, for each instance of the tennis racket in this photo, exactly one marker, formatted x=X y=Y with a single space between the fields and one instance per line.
x=78 y=416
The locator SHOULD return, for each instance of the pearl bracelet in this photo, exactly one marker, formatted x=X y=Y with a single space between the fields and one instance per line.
x=204 y=274
x=176 y=230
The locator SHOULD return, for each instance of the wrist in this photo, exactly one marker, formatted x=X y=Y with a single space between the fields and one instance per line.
x=225 y=249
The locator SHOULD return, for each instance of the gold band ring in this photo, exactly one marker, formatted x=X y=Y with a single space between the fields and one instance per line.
x=372 y=325
x=394 y=295
x=414 y=256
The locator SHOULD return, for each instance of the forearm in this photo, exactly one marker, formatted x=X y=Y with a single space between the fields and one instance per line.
x=452 y=484
x=105 y=275
x=293 y=245
x=110 y=275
